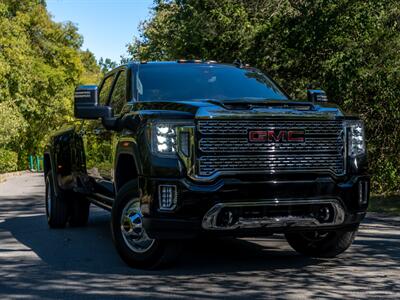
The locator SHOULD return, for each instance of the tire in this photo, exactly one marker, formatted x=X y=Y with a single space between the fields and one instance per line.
x=318 y=244
x=79 y=210
x=137 y=250
x=56 y=206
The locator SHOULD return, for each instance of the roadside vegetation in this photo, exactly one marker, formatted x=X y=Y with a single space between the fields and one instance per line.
x=351 y=47
x=40 y=65
x=385 y=204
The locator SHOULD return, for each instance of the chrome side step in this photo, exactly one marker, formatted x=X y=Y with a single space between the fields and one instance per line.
x=211 y=218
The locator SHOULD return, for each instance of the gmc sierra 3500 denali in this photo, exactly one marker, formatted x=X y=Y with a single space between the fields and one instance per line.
x=180 y=149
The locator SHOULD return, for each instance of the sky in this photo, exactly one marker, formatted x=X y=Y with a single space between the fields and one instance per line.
x=106 y=25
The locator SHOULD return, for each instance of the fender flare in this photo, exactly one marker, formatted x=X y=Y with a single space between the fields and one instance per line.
x=65 y=154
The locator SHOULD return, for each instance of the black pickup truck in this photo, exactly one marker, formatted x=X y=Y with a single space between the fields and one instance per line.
x=177 y=150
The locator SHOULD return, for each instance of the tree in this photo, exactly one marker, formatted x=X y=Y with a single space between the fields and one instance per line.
x=92 y=72
x=350 y=46
x=107 y=65
x=40 y=65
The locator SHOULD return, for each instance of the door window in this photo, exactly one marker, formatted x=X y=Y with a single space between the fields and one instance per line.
x=106 y=89
x=118 y=98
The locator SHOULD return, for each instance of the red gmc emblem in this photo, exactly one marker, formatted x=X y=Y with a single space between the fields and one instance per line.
x=291 y=136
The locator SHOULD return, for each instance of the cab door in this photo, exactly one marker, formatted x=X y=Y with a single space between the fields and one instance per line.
x=119 y=95
x=100 y=143
x=98 y=140
x=118 y=100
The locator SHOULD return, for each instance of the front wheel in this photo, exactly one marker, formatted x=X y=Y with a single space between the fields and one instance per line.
x=133 y=244
x=321 y=244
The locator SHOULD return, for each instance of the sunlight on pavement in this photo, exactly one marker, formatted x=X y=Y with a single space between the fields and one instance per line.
x=36 y=262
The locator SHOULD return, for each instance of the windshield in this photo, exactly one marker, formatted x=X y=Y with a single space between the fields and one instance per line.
x=202 y=81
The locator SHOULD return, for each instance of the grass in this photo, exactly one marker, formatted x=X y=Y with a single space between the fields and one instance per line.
x=386 y=204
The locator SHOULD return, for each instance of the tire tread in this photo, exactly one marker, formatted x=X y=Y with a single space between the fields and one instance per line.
x=59 y=207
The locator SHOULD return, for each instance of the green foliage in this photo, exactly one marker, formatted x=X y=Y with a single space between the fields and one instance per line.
x=92 y=73
x=40 y=65
x=12 y=123
x=107 y=65
x=8 y=161
x=98 y=150
x=389 y=204
x=350 y=46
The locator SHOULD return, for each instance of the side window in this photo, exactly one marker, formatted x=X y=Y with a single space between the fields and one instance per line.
x=118 y=98
x=105 y=90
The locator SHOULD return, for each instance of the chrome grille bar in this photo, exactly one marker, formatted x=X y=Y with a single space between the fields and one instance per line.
x=242 y=145
x=235 y=127
x=223 y=147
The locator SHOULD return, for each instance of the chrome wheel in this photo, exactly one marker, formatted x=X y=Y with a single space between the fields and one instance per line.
x=133 y=233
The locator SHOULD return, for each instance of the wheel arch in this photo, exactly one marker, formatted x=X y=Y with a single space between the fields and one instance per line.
x=126 y=170
x=65 y=158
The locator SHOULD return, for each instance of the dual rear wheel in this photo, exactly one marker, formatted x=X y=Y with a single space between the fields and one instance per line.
x=65 y=206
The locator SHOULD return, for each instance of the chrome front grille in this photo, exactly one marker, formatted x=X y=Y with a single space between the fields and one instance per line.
x=224 y=147
x=230 y=145
x=235 y=127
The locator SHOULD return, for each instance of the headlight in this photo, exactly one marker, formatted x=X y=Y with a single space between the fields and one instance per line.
x=164 y=138
x=356 y=138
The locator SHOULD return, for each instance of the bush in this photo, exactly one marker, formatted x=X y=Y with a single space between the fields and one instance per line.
x=8 y=161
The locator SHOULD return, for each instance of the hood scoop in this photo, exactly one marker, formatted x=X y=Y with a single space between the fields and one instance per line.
x=270 y=104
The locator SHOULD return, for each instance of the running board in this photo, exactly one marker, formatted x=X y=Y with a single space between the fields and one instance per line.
x=101 y=201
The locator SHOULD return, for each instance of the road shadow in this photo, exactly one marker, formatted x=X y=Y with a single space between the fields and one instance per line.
x=83 y=249
x=73 y=262
x=20 y=205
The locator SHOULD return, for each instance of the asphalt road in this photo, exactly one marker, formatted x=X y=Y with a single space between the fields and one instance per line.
x=36 y=262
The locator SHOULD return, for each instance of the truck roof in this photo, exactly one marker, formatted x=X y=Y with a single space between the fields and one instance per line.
x=237 y=63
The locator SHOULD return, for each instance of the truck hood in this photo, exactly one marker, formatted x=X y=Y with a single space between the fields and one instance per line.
x=241 y=109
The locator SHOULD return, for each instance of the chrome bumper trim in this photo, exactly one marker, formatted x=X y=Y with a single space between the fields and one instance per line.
x=210 y=218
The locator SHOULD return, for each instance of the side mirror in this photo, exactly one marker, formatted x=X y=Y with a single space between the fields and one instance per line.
x=86 y=104
x=317 y=96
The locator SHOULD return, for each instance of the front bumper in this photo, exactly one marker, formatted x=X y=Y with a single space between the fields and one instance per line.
x=195 y=201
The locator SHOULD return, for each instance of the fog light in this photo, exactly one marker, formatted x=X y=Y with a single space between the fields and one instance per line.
x=167 y=197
